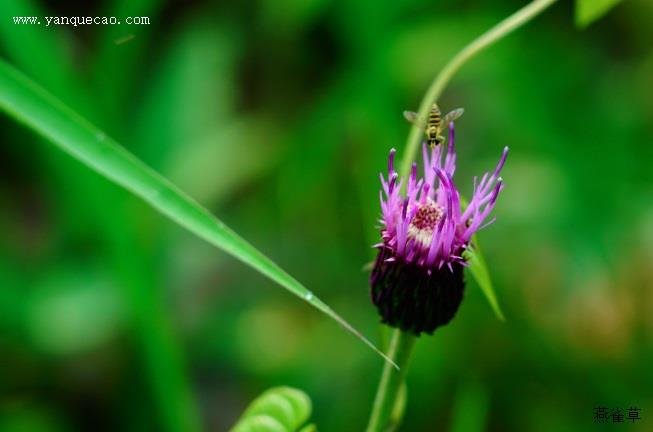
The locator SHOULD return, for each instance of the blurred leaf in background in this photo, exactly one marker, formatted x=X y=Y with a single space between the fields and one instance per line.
x=588 y=11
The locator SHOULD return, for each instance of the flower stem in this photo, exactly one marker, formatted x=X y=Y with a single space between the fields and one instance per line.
x=401 y=346
x=514 y=21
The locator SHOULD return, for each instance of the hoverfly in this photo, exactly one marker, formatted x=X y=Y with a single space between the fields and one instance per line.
x=434 y=124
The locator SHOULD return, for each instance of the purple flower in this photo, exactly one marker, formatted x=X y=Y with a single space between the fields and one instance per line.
x=417 y=281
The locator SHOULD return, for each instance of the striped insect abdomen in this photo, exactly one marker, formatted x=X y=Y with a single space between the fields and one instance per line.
x=435 y=117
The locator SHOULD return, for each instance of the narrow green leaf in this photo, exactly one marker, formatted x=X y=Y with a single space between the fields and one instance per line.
x=31 y=105
x=588 y=11
x=481 y=274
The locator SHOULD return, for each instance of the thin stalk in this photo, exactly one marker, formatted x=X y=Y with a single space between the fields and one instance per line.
x=401 y=347
x=513 y=22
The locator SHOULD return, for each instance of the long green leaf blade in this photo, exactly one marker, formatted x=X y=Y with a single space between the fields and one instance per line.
x=31 y=105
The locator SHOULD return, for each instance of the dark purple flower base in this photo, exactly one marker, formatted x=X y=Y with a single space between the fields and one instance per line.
x=407 y=297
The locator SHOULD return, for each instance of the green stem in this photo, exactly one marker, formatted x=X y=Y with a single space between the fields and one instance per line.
x=401 y=346
x=513 y=22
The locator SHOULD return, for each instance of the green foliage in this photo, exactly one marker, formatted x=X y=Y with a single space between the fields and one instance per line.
x=481 y=274
x=52 y=63
x=588 y=11
x=280 y=124
x=28 y=103
x=55 y=321
x=479 y=270
x=279 y=409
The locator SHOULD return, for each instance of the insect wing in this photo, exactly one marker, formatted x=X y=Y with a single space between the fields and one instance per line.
x=452 y=116
x=414 y=119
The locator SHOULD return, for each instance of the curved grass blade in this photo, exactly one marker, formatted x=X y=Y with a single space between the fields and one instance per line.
x=31 y=105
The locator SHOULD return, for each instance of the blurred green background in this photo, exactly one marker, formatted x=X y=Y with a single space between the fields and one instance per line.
x=278 y=116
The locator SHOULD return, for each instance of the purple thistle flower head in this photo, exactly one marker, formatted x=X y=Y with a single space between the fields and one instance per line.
x=417 y=280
